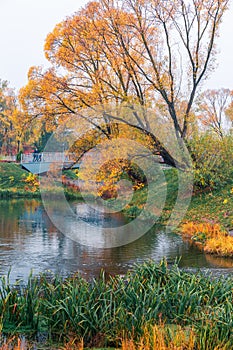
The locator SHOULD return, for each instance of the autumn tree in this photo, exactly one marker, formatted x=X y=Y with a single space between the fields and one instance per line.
x=131 y=51
x=212 y=107
x=7 y=117
x=229 y=110
x=15 y=126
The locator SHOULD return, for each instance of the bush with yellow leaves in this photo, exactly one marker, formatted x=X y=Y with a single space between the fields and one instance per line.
x=209 y=236
x=32 y=183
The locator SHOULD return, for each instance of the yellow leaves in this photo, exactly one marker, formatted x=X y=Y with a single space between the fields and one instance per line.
x=202 y=181
x=208 y=229
x=222 y=246
x=116 y=52
x=95 y=67
x=10 y=119
x=42 y=97
x=215 y=240
x=32 y=183
x=138 y=186
x=225 y=201
x=11 y=178
x=108 y=173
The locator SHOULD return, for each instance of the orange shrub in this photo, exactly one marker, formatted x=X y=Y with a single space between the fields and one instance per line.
x=203 y=231
x=221 y=246
x=213 y=238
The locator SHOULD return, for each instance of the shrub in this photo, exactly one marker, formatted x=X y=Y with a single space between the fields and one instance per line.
x=213 y=160
x=211 y=236
x=221 y=246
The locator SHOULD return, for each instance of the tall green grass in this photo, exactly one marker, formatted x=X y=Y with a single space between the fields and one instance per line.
x=104 y=311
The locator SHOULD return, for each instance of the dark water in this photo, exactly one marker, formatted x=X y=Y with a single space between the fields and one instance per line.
x=29 y=241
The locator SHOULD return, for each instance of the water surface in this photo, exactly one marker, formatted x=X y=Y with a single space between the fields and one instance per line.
x=29 y=241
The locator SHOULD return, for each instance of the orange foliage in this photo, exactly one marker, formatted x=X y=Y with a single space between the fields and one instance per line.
x=213 y=238
x=210 y=230
x=222 y=245
x=119 y=52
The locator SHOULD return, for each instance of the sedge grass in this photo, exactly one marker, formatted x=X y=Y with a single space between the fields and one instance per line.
x=104 y=311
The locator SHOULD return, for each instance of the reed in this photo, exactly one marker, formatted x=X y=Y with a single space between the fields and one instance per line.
x=150 y=300
x=162 y=338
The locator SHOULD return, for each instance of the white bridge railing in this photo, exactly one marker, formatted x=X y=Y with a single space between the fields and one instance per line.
x=48 y=157
x=7 y=158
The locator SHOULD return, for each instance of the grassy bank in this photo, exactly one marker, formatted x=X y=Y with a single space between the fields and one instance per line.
x=16 y=182
x=215 y=206
x=13 y=182
x=150 y=302
x=209 y=221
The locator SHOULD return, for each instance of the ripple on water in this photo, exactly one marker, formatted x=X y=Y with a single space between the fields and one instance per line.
x=29 y=241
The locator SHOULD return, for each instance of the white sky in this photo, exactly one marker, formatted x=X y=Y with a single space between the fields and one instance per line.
x=24 y=25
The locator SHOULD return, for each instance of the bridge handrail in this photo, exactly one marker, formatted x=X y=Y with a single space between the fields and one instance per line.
x=7 y=158
x=47 y=157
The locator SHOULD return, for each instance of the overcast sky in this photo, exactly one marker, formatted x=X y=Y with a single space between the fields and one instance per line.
x=24 y=25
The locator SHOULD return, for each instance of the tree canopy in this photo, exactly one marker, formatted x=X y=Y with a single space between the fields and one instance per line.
x=150 y=53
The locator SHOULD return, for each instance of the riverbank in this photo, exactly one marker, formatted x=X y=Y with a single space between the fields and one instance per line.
x=208 y=222
x=16 y=182
x=150 y=304
x=13 y=182
x=213 y=206
x=209 y=208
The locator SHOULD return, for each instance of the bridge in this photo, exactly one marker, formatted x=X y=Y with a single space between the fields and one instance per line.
x=39 y=163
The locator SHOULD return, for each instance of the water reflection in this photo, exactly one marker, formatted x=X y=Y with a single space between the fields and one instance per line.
x=28 y=240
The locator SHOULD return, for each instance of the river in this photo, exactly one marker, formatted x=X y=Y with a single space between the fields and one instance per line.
x=30 y=242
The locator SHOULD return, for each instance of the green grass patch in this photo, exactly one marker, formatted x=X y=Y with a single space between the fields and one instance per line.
x=167 y=186
x=215 y=206
x=12 y=176
x=16 y=182
x=13 y=182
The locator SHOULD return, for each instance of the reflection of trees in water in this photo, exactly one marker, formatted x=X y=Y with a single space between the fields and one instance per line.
x=95 y=217
x=28 y=232
x=20 y=216
x=153 y=245
x=219 y=261
x=10 y=212
x=32 y=217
